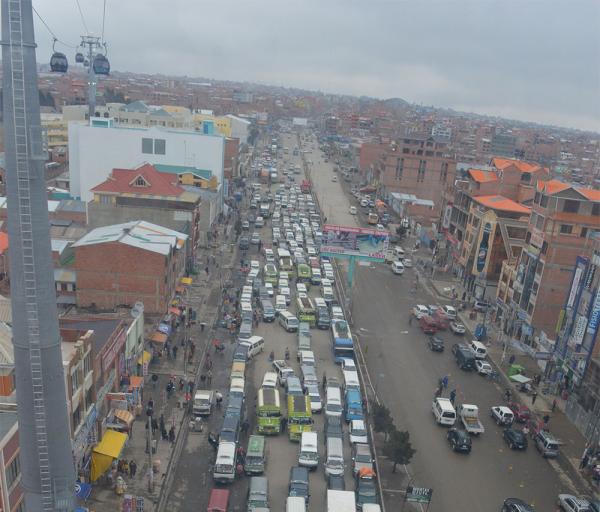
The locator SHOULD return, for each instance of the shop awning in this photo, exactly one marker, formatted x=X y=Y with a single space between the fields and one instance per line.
x=520 y=379
x=186 y=280
x=175 y=311
x=105 y=452
x=124 y=416
x=144 y=358
x=158 y=337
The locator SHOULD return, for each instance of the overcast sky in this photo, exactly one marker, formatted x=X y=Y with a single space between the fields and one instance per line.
x=535 y=60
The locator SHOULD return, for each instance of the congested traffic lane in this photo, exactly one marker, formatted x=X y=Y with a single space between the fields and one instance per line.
x=405 y=374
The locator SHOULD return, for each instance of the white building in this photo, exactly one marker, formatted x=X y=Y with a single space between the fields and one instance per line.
x=98 y=148
x=240 y=128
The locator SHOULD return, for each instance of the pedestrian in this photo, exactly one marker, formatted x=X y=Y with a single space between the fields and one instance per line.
x=175 y=352
x=172 y=434
x=324 y=381
x=553 y=405
x=533 y=397
x=206 y=270
x=452 y=396
x=209 y=377
x=181 y=384
x=132 y=468
x=546 y=419
x=283 y=423
x=218 y=399
x=437 y=392
x=245 y=426
x=154 y=424
x=584 y=461
x=445 y=381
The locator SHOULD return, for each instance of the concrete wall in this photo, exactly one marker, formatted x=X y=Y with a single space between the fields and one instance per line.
x=95 y=151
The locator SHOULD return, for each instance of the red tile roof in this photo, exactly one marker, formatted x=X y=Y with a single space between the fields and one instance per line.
x=481 y=176
x=3 y=242
x=122 y=181
x=555 y=186
x=503 y=163
x=502 y=203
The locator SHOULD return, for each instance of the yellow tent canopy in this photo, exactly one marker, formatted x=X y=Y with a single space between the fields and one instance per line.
x=106 y=451
x=145 y=357
x=185 y=280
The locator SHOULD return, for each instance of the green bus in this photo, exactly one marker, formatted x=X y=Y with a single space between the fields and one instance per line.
x=271 y=274
x=268 y=410
x=299 y=416
x=306 y=311
x=304 y=273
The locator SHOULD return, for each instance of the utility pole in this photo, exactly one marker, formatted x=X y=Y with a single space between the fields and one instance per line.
x=92 y=43
x=47 y=472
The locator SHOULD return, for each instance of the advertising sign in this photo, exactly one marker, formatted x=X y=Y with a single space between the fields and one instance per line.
x=418 y=494
x=447 y=216
x=483 y=247
x=574 y=286
x=350 y=241
x=578 y=330
x=594 y=315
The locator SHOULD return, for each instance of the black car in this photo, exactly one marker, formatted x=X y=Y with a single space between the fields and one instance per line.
x=333 y=427
x=336 y=483
x=459 y=440
x=244 y=242
x=299 y=482
x=516 y=505
x=230 y=430
x=515 y=439
x=436 y=344
x=366 y=491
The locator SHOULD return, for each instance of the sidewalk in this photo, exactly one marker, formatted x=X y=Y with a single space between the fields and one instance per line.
x=559 y=424
x=204 y=296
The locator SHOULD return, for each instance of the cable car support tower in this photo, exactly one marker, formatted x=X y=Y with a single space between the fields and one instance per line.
x=47 y=472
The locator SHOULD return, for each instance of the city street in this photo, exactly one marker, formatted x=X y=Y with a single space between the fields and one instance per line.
x=405 y=373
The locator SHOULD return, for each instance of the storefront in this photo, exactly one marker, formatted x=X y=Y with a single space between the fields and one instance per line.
x=106 y=452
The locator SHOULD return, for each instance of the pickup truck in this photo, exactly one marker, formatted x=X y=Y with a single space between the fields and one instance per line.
x=502 y=415
x=469 y=415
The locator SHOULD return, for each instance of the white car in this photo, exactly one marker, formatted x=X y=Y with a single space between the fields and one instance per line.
x=334 y=178
x=353 y=210
x=301 y=288
x=316 y=404
x=286 y=293
x=450 y=312
x=407 y=263
x=364 y=202
x=348 y=364
x=419 y=311
x=280 y=303
x=457 y=328
x=358 y=432
x=483 y=367
x=270 y=290
x=570 y=503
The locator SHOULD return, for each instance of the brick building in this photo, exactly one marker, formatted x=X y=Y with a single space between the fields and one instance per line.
x=562 y=220
x=11 y=493
x=126 y=263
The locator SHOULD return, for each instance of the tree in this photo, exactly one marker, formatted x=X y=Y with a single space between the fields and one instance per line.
x=398 y=448
x=382 y=419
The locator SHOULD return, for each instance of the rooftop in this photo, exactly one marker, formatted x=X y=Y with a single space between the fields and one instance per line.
x=481 y=176
x=144 y=180
x=137 y=233
x=552 y=187
x=102 y=327
x=502 y=203
x=504 y=163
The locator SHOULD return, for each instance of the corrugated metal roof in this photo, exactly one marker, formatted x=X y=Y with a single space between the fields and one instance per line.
x=140 y=234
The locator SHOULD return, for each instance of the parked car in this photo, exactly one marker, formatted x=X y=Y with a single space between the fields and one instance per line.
x=502 y=415
x=459 y=440
x=570 y=503
x=483 y=367
x=481 y=306
x=516 y=505
x=336 y=483
x=333 y=427
x=457 y=328
x=420 y=311
x=353 y=210
x=436 y=344
x=358 y=432
x=515 y=439
x=521 y=412
x=449 y=311
x=366 y=491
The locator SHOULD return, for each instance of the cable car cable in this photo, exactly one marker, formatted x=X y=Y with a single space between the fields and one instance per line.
x=103 y=20
x=82 y=18
x=50 y=30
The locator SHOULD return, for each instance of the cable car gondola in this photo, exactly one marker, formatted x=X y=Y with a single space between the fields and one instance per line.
x=101 y=65
x=79 y=58
x=59 y=62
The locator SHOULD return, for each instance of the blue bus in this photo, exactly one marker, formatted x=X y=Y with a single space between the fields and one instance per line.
x=353 y=405
x=341 y=336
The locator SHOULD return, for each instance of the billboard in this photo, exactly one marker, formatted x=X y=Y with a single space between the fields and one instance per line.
x=360 y=242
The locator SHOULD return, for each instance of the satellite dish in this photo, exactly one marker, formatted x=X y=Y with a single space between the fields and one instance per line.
x=137 y=309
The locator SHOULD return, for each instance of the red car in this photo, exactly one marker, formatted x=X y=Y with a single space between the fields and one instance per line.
x=521 y=412
x=428 y=324
x=441 y=319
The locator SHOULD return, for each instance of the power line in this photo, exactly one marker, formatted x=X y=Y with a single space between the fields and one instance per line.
x=103 y=19
x=82 y=18
x=50 y=30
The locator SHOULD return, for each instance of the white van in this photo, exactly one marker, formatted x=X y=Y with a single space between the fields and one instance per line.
x=334 y=405
x=443 y=411
x=478 y=348
x=255 y=344
x=309 y=450
x=307 y=358
x=224 y=468
x=351 y=380
x=334 y=464
x=236 y=388
x=399 y=252
x=288 y=321
x=269 y=380
x=328 y=294
x=397 y=268
x=295 y=504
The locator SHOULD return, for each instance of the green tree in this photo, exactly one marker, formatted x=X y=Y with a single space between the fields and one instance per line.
x=382 y=419
x=398 y=448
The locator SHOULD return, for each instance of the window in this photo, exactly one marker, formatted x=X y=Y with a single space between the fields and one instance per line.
x=89 y=397
x=584 y=232
x=536 y=199
x=539 y=223
x=75 y=379
x=147 y=146
x=76 y=417
x=444 y=173
x=406 y=151
x=160 y=146
x=105 y=199
x=87 y=363
x=399 y=168
x=544 y=201
x=544 y=247
x=570 y=206
x=421 y=172
x=596 y=209
x=566 y=229
x=140 y=182
x=13 y=472
x=526 y=177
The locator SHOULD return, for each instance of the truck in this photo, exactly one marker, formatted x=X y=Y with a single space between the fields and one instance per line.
x=306 y=311
x=340 y=501
x=268 y=411
x=469 y=415
x=304 y=337
x=342 y=344
x=264 y=210
x=299 y=416
x=203 y=400
x=305 y=187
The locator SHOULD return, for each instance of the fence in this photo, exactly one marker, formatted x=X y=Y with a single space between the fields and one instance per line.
x=587 y=422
